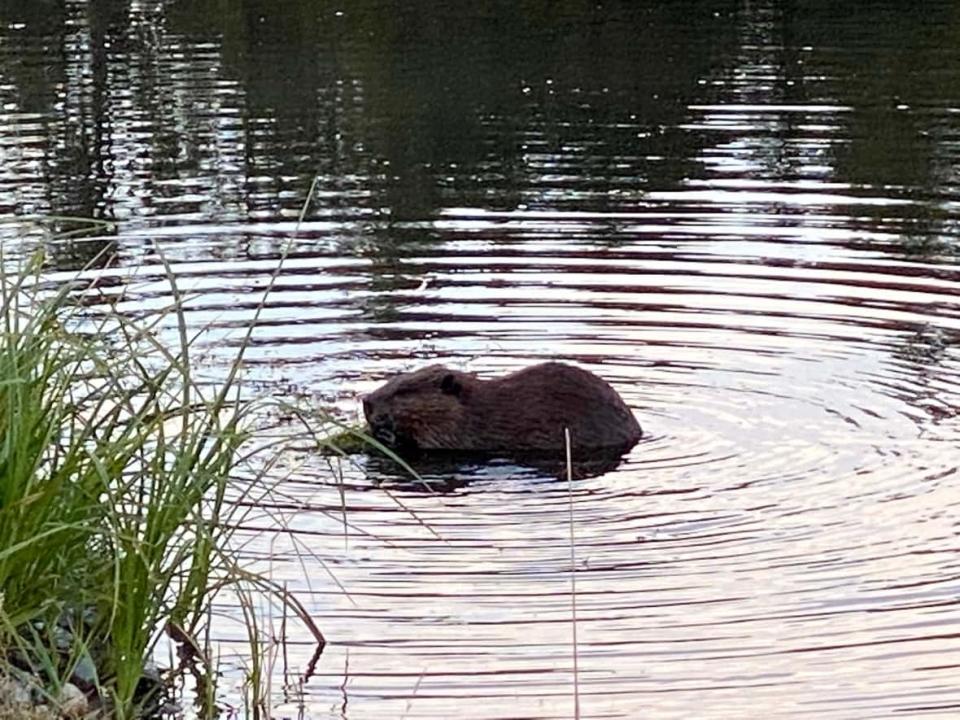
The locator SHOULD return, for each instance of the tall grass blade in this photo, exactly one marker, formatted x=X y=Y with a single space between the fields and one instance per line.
x=573 y=580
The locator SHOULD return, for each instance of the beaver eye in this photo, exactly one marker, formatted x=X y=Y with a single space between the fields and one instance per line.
x=449 y=385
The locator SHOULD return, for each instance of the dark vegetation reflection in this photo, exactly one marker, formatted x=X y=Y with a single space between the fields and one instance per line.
x=404 y=108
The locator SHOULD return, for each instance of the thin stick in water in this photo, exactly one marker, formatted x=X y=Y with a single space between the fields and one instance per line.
x=573 y=581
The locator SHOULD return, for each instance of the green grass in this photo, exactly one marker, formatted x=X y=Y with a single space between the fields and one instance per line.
x=348 y=440
x=114 y=466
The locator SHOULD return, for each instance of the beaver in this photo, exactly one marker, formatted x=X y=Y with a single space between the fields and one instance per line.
x=436 y=408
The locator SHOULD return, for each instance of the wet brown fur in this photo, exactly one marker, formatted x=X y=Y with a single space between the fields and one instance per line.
x=436 y=408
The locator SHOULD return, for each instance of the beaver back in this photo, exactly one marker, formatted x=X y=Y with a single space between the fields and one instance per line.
x=436 y=408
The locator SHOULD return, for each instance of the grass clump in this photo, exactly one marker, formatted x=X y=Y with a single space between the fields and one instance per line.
x=345 y=440
x=114 y=466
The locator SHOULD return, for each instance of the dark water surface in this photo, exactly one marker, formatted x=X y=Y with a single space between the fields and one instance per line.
x=742 y=214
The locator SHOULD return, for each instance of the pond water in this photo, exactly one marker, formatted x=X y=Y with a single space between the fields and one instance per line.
x=744 y=215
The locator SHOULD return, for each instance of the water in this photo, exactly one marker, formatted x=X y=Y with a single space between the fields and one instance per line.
x=742 y=214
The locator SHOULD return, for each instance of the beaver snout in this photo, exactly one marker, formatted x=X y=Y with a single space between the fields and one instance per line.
x=383 y=429
x=381 y=424
x=385 y=434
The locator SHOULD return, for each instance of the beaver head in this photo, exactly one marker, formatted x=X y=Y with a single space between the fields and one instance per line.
x=421 y=410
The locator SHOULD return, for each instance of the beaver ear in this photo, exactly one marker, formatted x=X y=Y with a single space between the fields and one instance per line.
x=449 y=385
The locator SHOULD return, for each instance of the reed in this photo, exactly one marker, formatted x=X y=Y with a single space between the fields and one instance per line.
x=573 y=578
x=115 y=464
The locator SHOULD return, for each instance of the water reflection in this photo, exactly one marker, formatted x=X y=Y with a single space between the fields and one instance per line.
x=740 y=214
x=449 y=472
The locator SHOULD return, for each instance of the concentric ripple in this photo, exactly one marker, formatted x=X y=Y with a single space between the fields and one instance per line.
x=786 y=530
x=742 y=215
